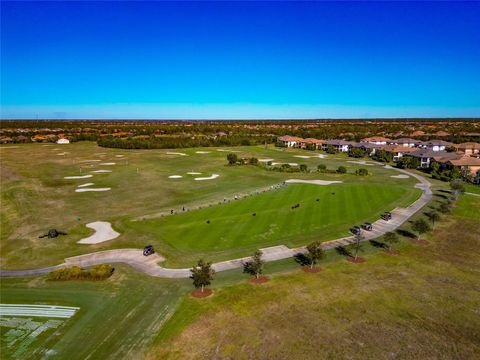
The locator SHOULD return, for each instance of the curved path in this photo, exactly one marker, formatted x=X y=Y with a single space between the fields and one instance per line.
x=149 y=264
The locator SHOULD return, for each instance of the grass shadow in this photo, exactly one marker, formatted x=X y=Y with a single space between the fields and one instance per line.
x=302 y=259
x=406 y=233
x=378 y=244
x=342 y=250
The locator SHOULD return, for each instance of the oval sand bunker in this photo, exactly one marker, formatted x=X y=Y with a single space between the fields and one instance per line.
x=92 y=189
x=103 y=232
x=213 y=176
x=78 y=177
x=175 y=176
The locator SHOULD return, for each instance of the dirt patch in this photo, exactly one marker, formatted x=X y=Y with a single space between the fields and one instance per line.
x=259 y=280
x=358 y=260
x=313 y=270
x=197 y=293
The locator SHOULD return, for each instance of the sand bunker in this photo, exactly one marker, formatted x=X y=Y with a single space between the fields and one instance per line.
x=101 y=171
x=119 y=155
x=62 y=153
x=103 y=232
x=176 y=153
x=318 y=156
x=86 y=184
x=213 y=176
x=107 y=163
x=175 y=176
x=89 y=161
x=226 y=150
x=279 y=163
x=265 y=160
x=78 y=177
x=361 y=162
x=202 y=152
x=314 y=182
x=92 y=189
x=400 y=176
x=194 y=173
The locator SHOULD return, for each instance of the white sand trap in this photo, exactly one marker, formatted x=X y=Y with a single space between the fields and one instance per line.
x=302 y=156
x=214 y=176
x=194 y=173
x=107 y=163
x=176 y=153
x=93 y=189
x=400 y=176
x=62 y=153
x=119 y=155
x=202 y=152
x=103 y=232
x=89 y=161
x=78 y=177
x=227 y=150
x=86 y=184
x=175 y=176
x=314 y=182
x=279 y=163
x=101 y=171
x=361 y=162
x=265 y=160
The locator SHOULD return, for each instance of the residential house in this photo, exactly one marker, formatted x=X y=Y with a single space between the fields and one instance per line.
x=377 y=140
x=369 y=148
x=289 y=141
x=339 y=145
x=466 y=164
x=468 y=148
x=417 y=133
x=435 y=145
x=311 y=143
x=406 y=142
x=63 y=141
x=427 y=155
x=398 y=150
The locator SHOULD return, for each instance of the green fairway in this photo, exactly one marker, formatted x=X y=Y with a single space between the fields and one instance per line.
x=232 y=226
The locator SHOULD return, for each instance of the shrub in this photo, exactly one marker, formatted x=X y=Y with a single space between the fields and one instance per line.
x=342 y=170
x=96 y=272
x=361 y=172
x=303 y=168
x=321 y=167
x=357 y=153
x=232 y=159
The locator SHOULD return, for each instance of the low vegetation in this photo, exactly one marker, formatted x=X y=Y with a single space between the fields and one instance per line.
x=96 y=272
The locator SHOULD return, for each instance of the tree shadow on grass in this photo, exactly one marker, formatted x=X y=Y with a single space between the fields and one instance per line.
x=445 y=191
x=441 y=196
x=406 y=233
x=302 y=259
x=342 y=250
x=378 y=244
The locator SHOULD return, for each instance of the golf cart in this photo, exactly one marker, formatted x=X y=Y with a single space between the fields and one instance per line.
x=387 y=216
x=356 y=230
x=148 y=250
x=367 y=226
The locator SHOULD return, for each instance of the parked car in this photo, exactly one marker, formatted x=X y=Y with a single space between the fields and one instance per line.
x=148 y=250
x=367 y=226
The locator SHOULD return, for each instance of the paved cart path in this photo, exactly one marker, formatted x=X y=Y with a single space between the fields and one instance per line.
x=149 y=264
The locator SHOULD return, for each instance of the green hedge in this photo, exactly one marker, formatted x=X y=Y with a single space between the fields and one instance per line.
x=97 y=272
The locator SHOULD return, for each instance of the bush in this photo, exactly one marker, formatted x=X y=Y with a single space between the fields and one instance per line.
x=342 y=170
x=96 y=272
x=303 y=168
x=232 y=159
x=330 y=150
x=321 y=167
x=357 y=153
x=362 y=172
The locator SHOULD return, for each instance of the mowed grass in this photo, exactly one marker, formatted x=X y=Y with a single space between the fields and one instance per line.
x=423 y=303
x=230 y=229
x=35 y=197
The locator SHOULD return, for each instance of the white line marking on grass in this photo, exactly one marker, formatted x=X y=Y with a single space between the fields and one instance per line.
x=213 y=176
x=175 y=176
x=101 y=171
x=86 y=184
x=92 y=189
x=314 y=182
x=78 y=177
x=103 y=232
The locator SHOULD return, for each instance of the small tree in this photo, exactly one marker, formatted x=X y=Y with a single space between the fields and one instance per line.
x=303 y=168
x=321 y=167
x=232 y=159
x=253 y=161
x=457 y=187
x=330 y=149
x=361 y=172
x=315 y=253
x=420 y=226
x=357 y=245
x=433 y=216
x=391 y=238
x=444 y=208
x=255 y=266
x=202 y=274
x=341 y=170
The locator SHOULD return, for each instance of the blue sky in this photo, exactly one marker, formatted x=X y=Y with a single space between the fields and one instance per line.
x=239 y=59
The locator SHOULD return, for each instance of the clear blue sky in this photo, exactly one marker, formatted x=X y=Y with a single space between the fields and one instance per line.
x=239 y=59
